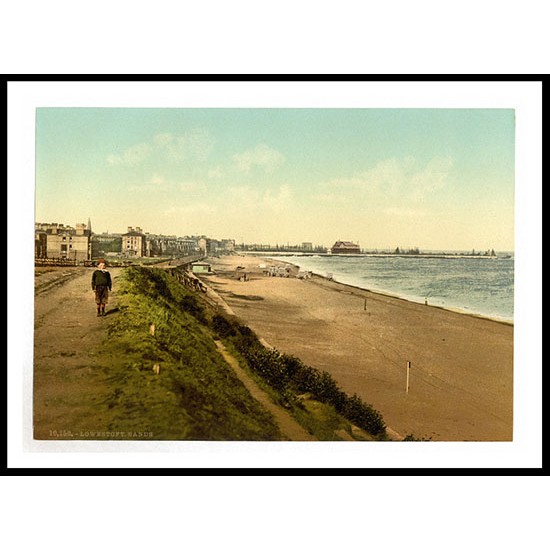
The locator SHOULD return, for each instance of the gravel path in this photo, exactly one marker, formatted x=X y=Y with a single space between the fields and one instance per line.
x=70 y=379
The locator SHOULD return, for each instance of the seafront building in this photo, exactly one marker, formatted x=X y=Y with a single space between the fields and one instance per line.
x=169 y=245
x=345 y=247
x=62 y=242
x=134 y=243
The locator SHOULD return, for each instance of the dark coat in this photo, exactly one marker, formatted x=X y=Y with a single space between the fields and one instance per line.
x=101 y=278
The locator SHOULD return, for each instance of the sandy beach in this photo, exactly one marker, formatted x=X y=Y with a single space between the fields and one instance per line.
x=461 y=375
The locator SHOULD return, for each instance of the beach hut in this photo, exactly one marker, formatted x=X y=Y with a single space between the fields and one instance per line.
x=201 y=267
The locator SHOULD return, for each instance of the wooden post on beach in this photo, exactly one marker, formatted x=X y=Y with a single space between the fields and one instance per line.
x=365 y=304
x=408 y=369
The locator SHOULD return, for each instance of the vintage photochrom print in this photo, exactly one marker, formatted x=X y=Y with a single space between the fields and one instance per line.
x=274 y=274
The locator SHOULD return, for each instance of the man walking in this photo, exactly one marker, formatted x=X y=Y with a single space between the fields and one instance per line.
x=101 y=284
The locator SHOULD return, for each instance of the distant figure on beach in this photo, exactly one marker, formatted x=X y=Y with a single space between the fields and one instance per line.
x=101 y=285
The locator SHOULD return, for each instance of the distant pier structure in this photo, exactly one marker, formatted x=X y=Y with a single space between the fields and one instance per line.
x=345 y=247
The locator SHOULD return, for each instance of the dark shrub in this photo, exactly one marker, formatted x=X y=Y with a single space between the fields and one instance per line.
x=222 y=326
x=305 y=379
x=293 y=365
x=363 y=415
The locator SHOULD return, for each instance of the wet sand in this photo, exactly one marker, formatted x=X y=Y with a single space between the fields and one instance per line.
x=461 y=375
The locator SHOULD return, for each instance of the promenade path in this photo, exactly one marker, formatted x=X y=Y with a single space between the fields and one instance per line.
x=70 y=369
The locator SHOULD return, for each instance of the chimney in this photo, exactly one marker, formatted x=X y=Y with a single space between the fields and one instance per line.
x=130 y=229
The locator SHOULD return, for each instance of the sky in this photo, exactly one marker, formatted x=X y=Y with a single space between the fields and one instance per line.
x=436 y=179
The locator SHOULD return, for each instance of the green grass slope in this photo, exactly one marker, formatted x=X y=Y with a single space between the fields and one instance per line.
x=173 y=384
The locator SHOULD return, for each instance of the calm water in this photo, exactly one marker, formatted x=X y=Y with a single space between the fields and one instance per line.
x=483 y=286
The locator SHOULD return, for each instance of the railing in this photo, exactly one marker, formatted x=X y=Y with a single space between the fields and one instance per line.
x=61 y=262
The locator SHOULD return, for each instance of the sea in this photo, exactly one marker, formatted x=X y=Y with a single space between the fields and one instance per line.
x=478 y=285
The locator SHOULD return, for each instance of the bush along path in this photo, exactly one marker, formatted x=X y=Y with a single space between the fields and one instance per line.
x=295 y=381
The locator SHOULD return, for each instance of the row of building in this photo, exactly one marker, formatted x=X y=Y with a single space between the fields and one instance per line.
x=79 y=243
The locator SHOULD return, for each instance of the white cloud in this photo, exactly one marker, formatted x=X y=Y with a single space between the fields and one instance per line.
x=195 y=144
x=431 y=178
x=261 y=156
x=131 y=156
x=394 y=178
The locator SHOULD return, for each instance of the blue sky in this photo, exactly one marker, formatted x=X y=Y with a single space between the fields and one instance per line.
x=427 y=178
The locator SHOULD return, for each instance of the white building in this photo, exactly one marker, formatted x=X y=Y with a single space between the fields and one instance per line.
x=134 y=243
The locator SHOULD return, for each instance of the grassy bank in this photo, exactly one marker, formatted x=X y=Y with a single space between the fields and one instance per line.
x=173 y=382
x=194 y=395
